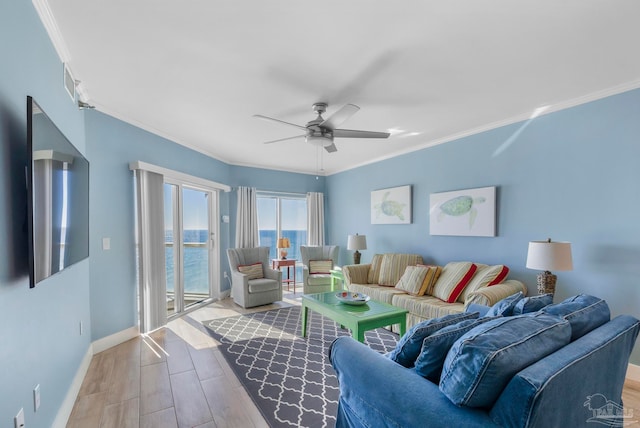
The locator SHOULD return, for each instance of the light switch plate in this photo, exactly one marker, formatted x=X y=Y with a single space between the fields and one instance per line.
x=106 y=243
x=19 y=419
x=36 y=398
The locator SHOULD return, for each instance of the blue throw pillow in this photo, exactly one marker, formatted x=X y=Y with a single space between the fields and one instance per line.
x=435 y=347
x=583 y=312
x=482 y=362
x=408 y=348
x=504 y=307
x=532 y=304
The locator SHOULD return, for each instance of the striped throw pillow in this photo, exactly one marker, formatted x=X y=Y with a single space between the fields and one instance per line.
x=412 y=281
x=485 y=276
x=374 y=270
x=454 y=278
x=393 y=266
x=320 y=266
x=430 y=278
x=253 y=271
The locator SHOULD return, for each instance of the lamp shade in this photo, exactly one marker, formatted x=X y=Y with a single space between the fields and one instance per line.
x=548 y=255
x=357 y=242
x=283 y=243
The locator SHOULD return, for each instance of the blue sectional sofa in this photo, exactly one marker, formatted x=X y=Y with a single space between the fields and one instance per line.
x=576 y=381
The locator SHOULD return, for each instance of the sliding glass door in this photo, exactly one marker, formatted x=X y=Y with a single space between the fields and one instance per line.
x=190 y=250
x=283 y=216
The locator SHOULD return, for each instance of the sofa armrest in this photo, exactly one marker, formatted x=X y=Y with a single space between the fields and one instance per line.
x=405 y=400
x=489 y=296
x=356 y=274
x=565 y=388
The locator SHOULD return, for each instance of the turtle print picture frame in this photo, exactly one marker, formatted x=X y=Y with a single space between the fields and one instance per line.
x=469 y=212
x=391 y=206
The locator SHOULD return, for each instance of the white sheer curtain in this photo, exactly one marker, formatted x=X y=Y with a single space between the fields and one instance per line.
x=247 y=218
x=152 y=269
x=315 y=218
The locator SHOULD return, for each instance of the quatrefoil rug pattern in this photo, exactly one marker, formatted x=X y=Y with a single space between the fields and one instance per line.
x=289 y=377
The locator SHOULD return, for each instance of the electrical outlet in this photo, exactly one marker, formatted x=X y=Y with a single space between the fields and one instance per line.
x=36 y=398
x=226 y=275
x=19 y=419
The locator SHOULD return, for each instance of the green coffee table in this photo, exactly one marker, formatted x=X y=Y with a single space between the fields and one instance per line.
x=357 y=318
x=336 y=275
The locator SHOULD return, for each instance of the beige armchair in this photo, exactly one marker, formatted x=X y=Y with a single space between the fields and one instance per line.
x=317 y=282
x=253 y=292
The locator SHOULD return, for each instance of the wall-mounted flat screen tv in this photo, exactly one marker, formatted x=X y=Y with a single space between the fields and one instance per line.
x=58 y=200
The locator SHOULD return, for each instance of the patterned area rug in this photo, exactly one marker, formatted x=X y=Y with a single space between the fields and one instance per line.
x=289 y=377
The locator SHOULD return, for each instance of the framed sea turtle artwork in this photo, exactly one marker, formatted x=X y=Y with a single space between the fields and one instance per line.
x=470 y=212
x=391 y=206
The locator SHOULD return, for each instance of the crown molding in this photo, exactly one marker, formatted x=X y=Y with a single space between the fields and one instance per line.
x=541 y=111
x=50 y=24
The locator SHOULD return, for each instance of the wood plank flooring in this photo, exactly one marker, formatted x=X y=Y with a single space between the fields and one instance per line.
x=176 y=377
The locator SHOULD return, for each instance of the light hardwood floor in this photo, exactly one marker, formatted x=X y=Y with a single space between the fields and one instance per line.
x=176 y=377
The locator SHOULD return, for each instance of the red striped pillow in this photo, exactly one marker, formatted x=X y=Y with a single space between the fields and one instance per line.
x=320 y=266
x=485 y=276
x=254 y=271
x=454 y=278
x=504 y=271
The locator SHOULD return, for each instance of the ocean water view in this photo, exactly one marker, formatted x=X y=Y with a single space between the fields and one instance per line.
x=196 y=267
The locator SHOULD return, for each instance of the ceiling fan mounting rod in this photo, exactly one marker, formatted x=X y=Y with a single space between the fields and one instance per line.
x=320 y=108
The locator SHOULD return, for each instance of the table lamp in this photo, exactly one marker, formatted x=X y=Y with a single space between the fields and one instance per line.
x=283 y=244
x=356 y=242
x=547 y=256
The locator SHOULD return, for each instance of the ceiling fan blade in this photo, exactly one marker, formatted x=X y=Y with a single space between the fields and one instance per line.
x=259 y=116
x=331 y=148
x=353 y=133
x=284 y=139
x=337 y=118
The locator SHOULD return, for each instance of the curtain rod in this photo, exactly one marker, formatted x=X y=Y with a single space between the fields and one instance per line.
x=275 y=193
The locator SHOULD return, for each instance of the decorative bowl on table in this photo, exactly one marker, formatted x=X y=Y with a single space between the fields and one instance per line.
x=351 y=298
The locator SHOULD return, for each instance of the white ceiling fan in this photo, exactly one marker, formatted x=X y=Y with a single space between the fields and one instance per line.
x=321 y=132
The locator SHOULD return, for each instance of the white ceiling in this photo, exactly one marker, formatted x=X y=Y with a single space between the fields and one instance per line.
x=197 y=71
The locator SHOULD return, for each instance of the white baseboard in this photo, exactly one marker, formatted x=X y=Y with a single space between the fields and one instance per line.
x=633 y=372
x=115 y=339
x=98 y=346
x=69 y=400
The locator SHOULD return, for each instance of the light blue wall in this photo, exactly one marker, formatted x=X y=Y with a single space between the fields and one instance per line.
x=571 y=175
x=271 y=181
x=114 y=144
x=40 y=341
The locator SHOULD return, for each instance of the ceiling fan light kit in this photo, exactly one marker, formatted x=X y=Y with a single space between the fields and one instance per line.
x=319 y=140
x=320 y=132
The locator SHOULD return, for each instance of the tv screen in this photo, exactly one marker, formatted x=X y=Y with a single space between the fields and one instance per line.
x=58 y=200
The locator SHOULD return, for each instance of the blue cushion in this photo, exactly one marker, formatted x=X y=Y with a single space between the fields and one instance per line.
x=408 y=348
x=482 y=362
x=532 y=304
x=584 y=312
x=505 y=306
x=435 y=347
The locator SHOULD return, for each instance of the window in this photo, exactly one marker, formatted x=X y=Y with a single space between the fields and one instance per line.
x=282 y=216
x=191 y=268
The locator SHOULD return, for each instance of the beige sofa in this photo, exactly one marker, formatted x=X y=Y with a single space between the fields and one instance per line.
x=379 y=278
